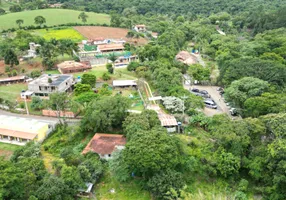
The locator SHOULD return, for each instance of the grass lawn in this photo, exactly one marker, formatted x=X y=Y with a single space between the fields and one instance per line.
x=66 y=33
x=130 y=190
x=12 y=92
x=7 y=150
x=53 y=17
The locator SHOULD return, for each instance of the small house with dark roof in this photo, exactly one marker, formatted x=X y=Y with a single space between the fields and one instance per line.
x=105 y=144
x=51 y=83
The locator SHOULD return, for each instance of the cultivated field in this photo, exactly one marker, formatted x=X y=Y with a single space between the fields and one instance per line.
x=53 y=17
x=66 y=33
x=92 y=32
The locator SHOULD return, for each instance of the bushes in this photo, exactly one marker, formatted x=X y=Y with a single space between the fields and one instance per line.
x=109 y=68
x=166 y=185
x=37 y=103
x=35 y=73
x=106 y=77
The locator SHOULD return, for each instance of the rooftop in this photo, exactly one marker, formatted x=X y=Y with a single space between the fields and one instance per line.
x=104 y=143
x=57 y=79
x=186 y=57
x=105 y=47
x=14 y=78
x=20 y=127
x=140 y=25
x=124 y=83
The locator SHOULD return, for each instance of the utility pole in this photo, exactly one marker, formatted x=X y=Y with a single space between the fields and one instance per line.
x=27 y=109
x=184 y=98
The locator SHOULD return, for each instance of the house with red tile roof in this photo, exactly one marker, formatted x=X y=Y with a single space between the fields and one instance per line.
x=105 y=144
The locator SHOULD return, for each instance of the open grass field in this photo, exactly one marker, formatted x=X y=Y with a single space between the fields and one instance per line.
x=53 y=17
x=92 y=32
x=130 y=190
x=12 y=92
x=7 y=150
x=66 y=33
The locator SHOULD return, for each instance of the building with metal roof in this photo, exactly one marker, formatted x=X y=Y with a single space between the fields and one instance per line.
x=50 y=83
x=17 y=130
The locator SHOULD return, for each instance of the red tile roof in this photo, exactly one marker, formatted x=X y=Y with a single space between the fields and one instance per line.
x=19 y=134
x=104 y=143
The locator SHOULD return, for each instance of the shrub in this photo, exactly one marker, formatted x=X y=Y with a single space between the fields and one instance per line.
x=35 y=73
x=7 y=69
x=133 y=66
x=106 y=77
x=37 y=103
x=109 y=68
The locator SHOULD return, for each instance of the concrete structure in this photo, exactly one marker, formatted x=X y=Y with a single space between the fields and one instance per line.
x=26 y=94
x=14 y=79
x=19 y=131
x=47 y=84
x=105 y=144
x=140 y=28
x=123 y=61
x=73 y=67
x=32 y=51
x=124 y=83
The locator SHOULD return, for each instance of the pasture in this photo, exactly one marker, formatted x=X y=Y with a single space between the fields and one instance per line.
x=52 y=16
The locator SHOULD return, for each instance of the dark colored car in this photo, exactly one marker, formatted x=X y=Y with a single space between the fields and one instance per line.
x=195 y=90
x=204 y=92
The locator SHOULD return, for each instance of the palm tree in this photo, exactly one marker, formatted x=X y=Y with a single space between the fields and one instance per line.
x=40 y=20
x=19 y=22
x=83 y=17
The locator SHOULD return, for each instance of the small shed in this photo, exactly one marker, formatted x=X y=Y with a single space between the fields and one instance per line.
x=124 y=83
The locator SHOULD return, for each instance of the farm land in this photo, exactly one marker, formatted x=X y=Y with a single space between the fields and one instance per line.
x=53 y=16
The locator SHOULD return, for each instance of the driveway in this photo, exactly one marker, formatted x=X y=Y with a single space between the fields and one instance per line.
x=212 y=90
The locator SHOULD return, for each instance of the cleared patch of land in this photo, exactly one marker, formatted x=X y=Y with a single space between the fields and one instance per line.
x=12 y=92
x=7 y=150
x=66 y=33
x=53 y=17
x=92 y=32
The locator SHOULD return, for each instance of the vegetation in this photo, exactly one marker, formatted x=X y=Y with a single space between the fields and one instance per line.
x=51 y=15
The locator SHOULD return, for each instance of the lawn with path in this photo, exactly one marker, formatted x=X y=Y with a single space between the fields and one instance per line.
x=52 y=16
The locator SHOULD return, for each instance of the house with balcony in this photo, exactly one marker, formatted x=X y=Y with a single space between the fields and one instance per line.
x=51 y=83
x=140 y=28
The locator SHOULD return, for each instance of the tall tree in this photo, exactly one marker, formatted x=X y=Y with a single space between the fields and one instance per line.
x=19 y=22
x=39 y=20
x=83 y=17
x=10 y=58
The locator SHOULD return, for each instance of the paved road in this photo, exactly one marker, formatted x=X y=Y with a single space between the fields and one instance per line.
x=212 y=90
x=39 y=118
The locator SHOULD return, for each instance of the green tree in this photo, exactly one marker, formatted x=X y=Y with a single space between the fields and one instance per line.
x=72 y=179
x=19 y=22
x=89 y=79
x=39 y=20
x=15 y=8
x=53 y=187
x=10 y=58
x=161 y=184
x=118 y=167
x=110 y=68
x=105 y=113
x=37 y=103
x=200 y=73
x=227 y=164
x=149 y=152
x=82 y=88
x=239 y=91
x=83 y=17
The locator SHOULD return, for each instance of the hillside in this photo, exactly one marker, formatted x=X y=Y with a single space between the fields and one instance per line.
x=53 y=17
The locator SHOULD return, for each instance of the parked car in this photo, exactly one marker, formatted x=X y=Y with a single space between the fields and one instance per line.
x=209 y=103
x=233 y=111
x=195 y=90
x=204 y=92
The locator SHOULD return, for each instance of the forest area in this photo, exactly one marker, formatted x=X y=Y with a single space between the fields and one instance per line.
x=216 y=157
